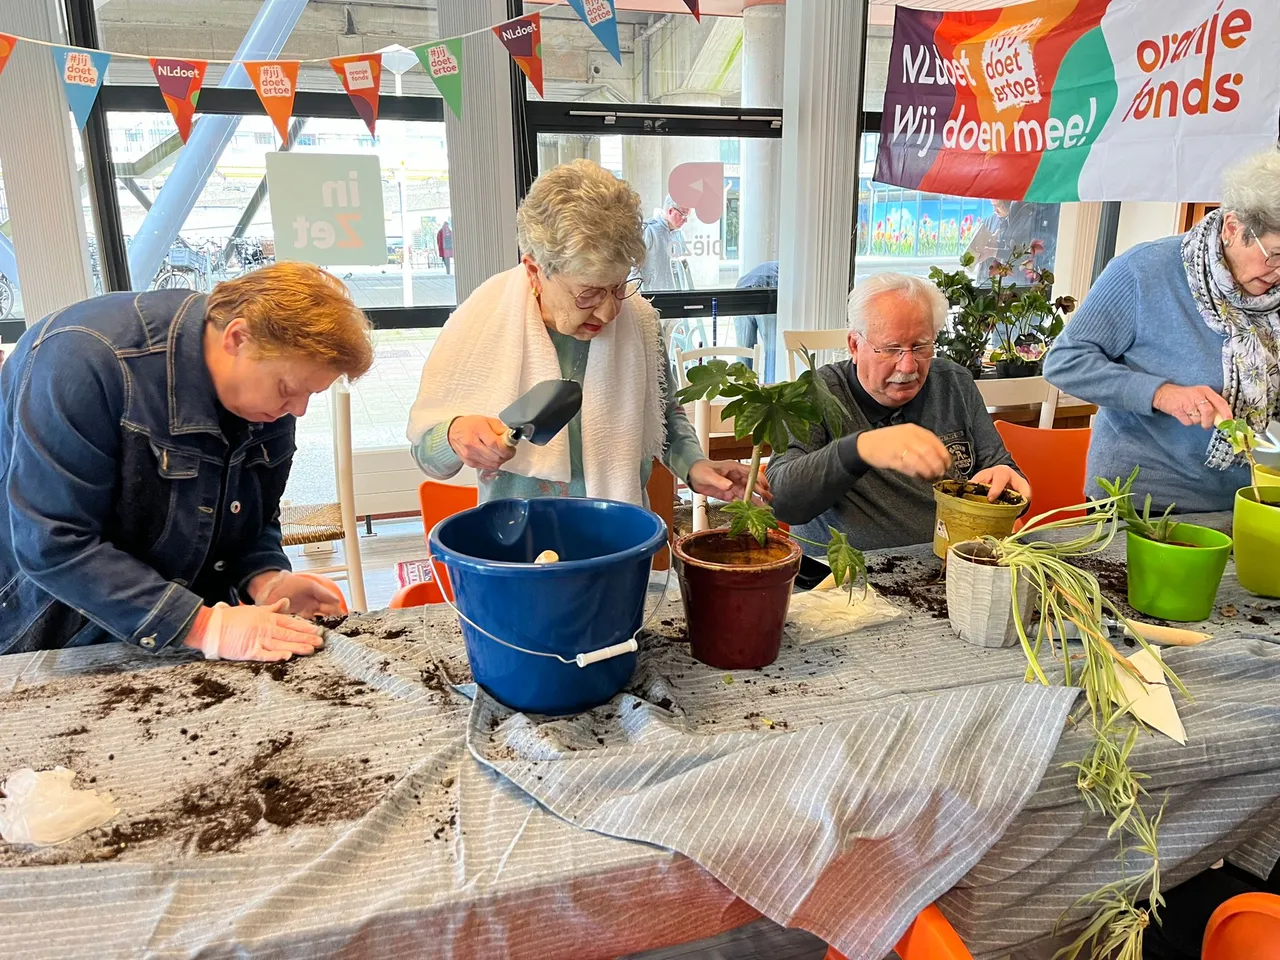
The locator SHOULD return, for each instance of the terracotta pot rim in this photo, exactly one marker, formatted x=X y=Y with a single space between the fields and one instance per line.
x=679 y=550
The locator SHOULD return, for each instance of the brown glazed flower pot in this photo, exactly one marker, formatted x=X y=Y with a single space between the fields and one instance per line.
x=735 y=595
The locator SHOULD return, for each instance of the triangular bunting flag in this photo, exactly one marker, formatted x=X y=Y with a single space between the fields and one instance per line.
x=7 y=43
x=600 y=17
x=523 y=39
x=82 y=73
x=180 y=82
x=276 y=82
x=693 y=8
x=361 y=76
x=443 y=63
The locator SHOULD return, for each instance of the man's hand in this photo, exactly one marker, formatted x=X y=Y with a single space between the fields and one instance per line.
x=906 y=448
x=302 y=596
x=726 y=480
x=480 y=442
x=1000 y=478
x=1191 y=406
x=253 y=633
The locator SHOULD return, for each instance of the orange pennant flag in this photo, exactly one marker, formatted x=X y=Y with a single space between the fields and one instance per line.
x=361 y=76
x=276 y=82
x=7 y=43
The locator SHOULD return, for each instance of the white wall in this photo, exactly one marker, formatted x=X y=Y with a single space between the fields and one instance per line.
x=1140 y=222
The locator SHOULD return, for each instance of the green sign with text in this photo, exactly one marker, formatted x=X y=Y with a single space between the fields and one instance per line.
x=326 y=208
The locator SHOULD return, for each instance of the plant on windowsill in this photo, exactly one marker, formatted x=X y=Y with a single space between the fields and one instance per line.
x=736 y=584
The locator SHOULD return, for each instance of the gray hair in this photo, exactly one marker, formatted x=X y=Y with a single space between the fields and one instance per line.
x=1251 y=190
x=918 y=289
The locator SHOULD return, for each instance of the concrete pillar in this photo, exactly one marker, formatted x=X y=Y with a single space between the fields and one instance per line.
x=482 y=168
x=642 y=168
x=41 y=186
x=819 y=161
x=703 y=239
x=548 y=152
x=763 y=49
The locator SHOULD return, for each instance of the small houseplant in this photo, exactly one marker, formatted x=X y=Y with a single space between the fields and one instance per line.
x=964 y=511
x=1022 y=316
x=1256 y=525
x=1069 y=601
x=736 y=583
x=1174 y=568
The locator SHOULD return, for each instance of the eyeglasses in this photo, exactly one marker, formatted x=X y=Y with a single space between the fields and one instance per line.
x=921 y=351
x=594 y=296
x=1271 y=259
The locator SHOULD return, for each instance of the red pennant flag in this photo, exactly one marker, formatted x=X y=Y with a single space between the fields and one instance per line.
x=7 y=43
x=180 y=82
x=523 y=39
x=693 y=8
x=361 y=76
x=276 y=82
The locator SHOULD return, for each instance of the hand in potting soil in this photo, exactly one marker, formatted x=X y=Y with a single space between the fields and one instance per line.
x=250 y=632
x=1191 y=406
x=726 y=480
x=303 y=596
x=1000 y=478
x=906 y=448
x=480 y=442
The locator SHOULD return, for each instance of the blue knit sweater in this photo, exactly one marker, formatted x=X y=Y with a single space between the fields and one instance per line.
x=1139 y=328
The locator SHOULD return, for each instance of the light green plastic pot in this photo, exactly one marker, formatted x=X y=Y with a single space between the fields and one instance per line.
x=1257 y=533
x=1175 y=582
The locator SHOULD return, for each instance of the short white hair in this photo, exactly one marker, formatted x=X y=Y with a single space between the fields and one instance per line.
x=1251 y=190
x=917 y=289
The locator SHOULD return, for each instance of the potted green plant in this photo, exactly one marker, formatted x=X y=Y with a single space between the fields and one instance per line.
x=1174 y=568
x=964 y=511
x=1070 y=603
x=736 y=583
x=1023 y=316
x=1256 y=523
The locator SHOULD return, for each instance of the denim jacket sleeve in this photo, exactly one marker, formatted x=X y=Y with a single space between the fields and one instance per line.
x=61 y=486
x=266 y=555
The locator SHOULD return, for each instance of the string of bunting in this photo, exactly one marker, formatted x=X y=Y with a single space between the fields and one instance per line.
x=276 y=81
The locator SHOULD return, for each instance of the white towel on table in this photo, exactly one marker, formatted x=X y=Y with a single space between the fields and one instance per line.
x=495 y=347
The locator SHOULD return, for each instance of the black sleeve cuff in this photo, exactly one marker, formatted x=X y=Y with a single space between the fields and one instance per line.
x=850 y=459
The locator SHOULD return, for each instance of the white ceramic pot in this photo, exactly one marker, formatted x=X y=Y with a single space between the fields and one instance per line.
x=980 y=597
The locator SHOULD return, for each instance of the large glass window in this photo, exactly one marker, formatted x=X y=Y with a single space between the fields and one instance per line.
x=227 y=227
x=10 y=292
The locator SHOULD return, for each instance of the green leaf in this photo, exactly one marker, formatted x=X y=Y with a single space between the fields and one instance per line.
x=750 y=518
x=848 y=565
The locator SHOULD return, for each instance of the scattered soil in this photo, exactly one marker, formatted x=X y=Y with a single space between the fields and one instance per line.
x=1113 y=580
x=1259 y=621
x=211 y=692
x=277 y=670
x=132 y=695
x=78 y=731
x=915 y=581
x=980 y=491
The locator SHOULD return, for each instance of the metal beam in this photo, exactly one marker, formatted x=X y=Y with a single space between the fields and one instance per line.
x=139 y=194
x=265 y=39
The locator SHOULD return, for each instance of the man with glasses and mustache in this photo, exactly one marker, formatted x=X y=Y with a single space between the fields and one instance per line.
x=663 y=245
x=910 y=419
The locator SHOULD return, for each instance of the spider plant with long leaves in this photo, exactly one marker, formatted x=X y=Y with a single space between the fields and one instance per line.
x=1160 y=529
x=1069 y=596
x=771 y=414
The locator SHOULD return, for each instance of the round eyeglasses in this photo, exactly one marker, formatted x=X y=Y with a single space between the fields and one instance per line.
x=594 y=296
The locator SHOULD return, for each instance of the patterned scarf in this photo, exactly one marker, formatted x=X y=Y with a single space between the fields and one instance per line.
x=1251 y=353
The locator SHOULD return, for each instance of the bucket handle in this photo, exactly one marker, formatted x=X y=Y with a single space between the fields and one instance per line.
x=583 y=659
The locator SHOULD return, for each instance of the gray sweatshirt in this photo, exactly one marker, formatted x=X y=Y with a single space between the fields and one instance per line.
x=822 y=481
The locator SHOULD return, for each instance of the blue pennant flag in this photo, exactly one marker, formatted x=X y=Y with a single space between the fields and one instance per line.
x=601 y=17
x=82 y=72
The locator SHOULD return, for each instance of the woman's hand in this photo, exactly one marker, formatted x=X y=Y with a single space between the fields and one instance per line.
x=906 y=448
x=727 y=480
x=1000 y=478
x=480 y=442
x=1192 y=406
x=302 y=596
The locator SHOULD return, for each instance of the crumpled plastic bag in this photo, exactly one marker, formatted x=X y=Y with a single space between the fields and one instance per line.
x=44 y=809
x=825 y=613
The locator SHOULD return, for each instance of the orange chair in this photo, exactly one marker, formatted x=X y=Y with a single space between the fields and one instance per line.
x=329 y=585
x=1246 y=927
x=1053 y=461
x=438 y=502
x=930 y=937
x=418 y=595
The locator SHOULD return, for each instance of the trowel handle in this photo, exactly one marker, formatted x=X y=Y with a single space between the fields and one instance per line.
x=607 y=653
x=510 y=438
x=1169 y=636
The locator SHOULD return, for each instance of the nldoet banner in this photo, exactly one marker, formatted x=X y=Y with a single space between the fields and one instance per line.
x=1060 y=100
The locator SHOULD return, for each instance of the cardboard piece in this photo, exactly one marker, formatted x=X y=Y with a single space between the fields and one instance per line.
x=1151 y=702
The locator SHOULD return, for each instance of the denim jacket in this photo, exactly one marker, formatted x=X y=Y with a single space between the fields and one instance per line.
x=126 y=506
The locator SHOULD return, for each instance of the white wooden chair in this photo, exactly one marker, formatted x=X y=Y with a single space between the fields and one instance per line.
x=816 y=342
x=326 y=522
x=1023 y=391
x=706 y=415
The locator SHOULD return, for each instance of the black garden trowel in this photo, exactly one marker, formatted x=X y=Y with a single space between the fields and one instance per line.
x=542 y=412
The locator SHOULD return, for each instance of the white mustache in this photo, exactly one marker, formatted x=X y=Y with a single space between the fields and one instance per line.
x=904 y=378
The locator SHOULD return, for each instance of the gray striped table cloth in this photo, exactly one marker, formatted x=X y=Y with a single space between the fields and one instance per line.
x=840 y=790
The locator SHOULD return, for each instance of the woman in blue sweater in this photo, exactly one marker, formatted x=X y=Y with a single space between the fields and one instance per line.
x=1177 y=333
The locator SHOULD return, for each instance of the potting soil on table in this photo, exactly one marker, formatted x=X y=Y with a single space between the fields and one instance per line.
x=355 y=801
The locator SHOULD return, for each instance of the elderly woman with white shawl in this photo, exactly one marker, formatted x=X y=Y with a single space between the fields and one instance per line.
x=569 y=310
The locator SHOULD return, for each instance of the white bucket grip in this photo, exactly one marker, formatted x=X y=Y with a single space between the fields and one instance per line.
x=607 y=653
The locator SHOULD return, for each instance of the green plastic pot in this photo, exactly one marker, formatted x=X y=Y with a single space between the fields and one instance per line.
x=1257 y=533
x=1175 y=582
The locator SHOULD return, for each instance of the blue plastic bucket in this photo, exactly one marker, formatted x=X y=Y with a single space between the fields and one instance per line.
x=593 y=598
